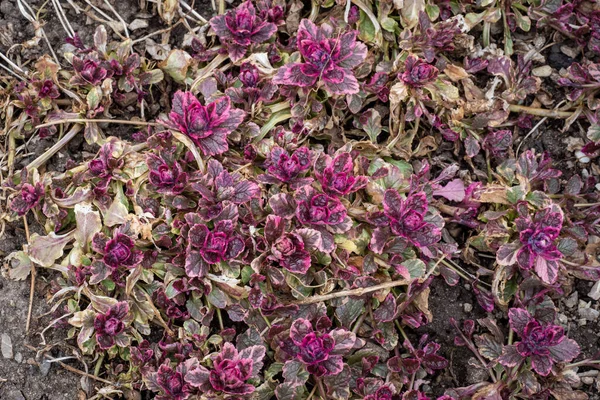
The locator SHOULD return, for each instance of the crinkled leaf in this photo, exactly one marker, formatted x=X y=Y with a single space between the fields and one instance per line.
x=88 y=224
x=45 y=250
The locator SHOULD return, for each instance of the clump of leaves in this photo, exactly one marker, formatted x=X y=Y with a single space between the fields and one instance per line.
x=302 y=178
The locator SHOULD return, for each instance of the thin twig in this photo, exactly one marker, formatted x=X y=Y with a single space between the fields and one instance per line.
x=32 y=287
x=75 y=370
x=541 y=112
x=54 y=149
x=62 y=17
x=105 y=120
x=352 y=292
x=148 y=36
x=118 y=17
x=28 y=13
x=193 y=12
x=535 y=128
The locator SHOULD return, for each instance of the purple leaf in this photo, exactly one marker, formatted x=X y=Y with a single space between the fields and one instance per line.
x=327 y=58
x=283 y=205
x=453 y=191
x=510 y=356
x=207 y=126
x=518 y=318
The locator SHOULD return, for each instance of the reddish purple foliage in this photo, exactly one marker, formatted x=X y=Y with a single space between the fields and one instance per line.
x=29 y=197
x=328 y=58
x=320 y=351
x=418 y=73
x=46 y=89
x=544 y=344
x=211 y=247
x=240 y=28
x=337 y=175
x=172 y=384
x=110 y=326
x=166 y=176
x=537 y=247
x=231 y=371
x=89 y=71
x=406 y=219
x=208 y=126
x=287 y=168
x=120 y=251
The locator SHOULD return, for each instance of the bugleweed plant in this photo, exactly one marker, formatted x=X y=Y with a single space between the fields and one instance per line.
x=298 y=179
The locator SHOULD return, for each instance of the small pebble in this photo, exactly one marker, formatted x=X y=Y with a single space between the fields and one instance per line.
x=468 y=307
x=563 y=319
x=19 y=357
x=589 y=314
x=581 y=157
x=582 y=322
x=6 y=347
x=571 y=301
x=542 y=72
x=587 y=380
x=45 y=367
x=595 y=291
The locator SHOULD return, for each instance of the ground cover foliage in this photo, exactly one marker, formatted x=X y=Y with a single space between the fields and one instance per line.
x=271 y=229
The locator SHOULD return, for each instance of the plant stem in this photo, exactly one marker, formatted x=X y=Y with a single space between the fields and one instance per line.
x=99 y=364
x=352 y=292
x=101 y=120
x=312 y=392
x=541 y=112
x=41 y=160
x=220 y=318
x=359 y=323
x=32 y=287
x=401 y=330
x=270 y=124
x=322 y=392
x=584 y=362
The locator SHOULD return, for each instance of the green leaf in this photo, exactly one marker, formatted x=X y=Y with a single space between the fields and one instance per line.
x=410 y=12
x=515 y=194
x=348 y=312
x=433 y=11
x=93 y=98
x=389 y=24
x=593 y=132
x=372 y=124
x=366 y=29
x=416 y=268
x=523 y=21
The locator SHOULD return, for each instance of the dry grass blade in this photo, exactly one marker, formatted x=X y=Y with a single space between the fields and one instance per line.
x=352 y=292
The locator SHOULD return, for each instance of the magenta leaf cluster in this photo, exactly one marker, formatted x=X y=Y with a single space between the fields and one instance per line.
x=318 y=350
x=28 y=198
x=328 y=58
x=110 y=326
x=207 y=126
x=242 y=27
x=231 y=371
x=543 y=344
x=537 y=249
x=404 y=218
